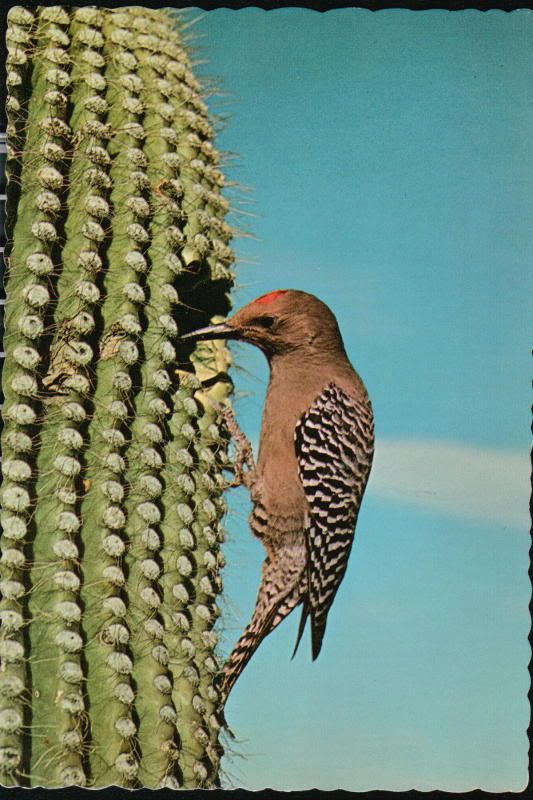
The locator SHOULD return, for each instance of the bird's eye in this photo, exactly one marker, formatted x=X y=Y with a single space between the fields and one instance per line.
x=264 y=322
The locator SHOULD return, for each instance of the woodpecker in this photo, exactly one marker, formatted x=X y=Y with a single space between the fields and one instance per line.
x=314 y=459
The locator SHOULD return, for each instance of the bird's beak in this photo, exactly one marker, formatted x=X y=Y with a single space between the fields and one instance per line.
x=220 y=331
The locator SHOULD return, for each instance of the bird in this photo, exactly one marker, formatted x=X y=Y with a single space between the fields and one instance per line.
x=314 y=459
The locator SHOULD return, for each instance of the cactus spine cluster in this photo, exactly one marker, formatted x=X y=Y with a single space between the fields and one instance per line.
x=112 y=453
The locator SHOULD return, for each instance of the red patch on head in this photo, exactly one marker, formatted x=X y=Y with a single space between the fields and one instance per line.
x=271 y=296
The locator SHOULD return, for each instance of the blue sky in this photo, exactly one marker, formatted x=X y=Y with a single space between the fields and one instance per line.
x=388 y=160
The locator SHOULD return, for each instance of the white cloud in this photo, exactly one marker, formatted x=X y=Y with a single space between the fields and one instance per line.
x=478 y=482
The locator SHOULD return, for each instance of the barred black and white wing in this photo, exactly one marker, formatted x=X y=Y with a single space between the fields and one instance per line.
x=334 y=445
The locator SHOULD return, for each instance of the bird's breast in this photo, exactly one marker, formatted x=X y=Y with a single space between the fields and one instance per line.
x=278 y=497
x=274 y=527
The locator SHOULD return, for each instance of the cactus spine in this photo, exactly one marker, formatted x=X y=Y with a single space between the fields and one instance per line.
x=112 y=457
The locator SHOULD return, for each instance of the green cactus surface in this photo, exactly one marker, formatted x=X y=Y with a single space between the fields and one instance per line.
x=112 y=452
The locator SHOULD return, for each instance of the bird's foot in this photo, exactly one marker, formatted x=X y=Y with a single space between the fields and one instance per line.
x=244 y=456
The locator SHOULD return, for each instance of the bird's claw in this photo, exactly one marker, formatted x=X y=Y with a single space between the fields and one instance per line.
x=244 y=453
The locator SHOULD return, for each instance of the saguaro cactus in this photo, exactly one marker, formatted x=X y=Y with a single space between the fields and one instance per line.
x=112 y=453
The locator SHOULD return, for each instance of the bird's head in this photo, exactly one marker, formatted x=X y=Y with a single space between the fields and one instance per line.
x=280 y=322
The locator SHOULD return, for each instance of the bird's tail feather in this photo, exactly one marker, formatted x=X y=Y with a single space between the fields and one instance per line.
x=250 y=639
x=278 y=595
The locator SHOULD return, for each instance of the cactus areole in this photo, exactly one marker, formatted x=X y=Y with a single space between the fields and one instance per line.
x=112 y=455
